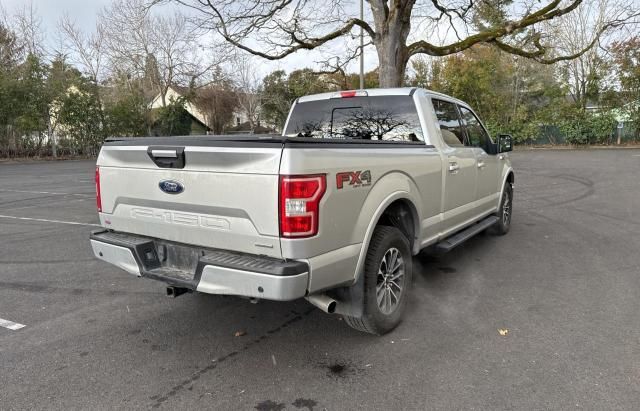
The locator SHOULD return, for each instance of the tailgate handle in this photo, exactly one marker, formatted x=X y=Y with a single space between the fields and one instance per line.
x=164 y=153
x=167 y=157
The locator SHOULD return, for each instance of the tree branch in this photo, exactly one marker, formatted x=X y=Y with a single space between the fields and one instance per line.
x=296 y=42
x=538 y=54
x=461 y=12
x=340 y=66
x=546 y=13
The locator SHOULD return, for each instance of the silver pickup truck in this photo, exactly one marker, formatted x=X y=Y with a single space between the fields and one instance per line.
x=332 y=210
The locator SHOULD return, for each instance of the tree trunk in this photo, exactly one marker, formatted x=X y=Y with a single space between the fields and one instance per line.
x=251 y=126
x=390 y=43
x=52 y=140
x=393 y=63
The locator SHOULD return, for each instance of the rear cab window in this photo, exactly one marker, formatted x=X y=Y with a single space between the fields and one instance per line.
x=372 y=118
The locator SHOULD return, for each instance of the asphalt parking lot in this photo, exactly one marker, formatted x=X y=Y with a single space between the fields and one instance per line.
x=565 y=283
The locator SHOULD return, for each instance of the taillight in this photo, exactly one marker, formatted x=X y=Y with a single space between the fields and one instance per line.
x=98 y=198
x=300 y=204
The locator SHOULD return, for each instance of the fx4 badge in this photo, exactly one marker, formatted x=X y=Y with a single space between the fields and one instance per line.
x=354 y=178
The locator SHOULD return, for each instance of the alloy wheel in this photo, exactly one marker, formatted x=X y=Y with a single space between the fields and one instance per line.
x=390 y=281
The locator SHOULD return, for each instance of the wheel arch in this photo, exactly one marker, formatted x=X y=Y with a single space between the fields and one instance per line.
x=401 y=206
x=509 y=178
x=402 y=214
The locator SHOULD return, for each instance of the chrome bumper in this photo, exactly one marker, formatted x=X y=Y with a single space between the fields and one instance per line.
x=204 y=270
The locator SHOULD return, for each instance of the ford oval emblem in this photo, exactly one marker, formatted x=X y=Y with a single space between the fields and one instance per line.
x=171 y=187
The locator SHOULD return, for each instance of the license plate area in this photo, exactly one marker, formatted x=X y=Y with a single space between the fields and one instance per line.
x=178 y=257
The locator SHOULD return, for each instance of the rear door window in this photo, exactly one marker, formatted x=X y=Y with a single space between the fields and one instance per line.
x=374 y=118
x=449 y=122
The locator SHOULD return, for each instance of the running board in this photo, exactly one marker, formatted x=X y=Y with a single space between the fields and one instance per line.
x=460 y=237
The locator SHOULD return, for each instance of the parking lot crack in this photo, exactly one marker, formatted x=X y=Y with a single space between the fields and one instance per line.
x=159 y=400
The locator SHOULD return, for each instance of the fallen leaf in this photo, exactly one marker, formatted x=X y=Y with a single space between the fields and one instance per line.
x=240 y=333
x=503 y=331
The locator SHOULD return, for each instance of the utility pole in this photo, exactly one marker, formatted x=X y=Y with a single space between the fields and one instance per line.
x=361 y=46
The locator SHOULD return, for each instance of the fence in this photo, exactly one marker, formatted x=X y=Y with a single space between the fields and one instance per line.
x=551 y=135
x=38 y=145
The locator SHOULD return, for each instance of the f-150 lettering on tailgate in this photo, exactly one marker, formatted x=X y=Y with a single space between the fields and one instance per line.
x=188 y=219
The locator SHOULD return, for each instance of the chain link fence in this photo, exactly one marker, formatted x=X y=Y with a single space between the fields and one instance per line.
x=36 y=145
x=552 y=135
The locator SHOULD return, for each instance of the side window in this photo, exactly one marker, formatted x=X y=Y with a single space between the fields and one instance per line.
x=478 y=136
x=449 y=121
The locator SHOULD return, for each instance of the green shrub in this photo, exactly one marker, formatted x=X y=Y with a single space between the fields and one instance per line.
x=601 y=127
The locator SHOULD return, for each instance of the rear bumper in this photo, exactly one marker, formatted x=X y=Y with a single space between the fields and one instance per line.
x=205 y=270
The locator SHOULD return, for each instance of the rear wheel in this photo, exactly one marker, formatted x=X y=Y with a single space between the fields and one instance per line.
x=504 y=213
x=387 y=280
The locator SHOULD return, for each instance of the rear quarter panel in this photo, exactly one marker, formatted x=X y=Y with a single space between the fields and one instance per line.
x=347 y=214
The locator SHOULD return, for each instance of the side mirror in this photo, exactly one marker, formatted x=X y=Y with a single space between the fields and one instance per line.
x=505 y=143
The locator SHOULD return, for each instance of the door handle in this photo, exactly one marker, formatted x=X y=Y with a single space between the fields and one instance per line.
x=453 y=167
x=481 y=164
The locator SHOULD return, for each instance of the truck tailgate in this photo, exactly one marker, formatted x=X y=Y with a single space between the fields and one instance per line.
x=225 y=196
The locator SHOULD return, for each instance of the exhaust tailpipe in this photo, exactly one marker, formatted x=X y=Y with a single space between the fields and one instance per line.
x=323 y=302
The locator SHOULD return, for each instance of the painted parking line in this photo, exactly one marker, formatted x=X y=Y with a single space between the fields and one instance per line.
x=11 y=325
x=66 y=202
x=44 y=220
x=46 y=192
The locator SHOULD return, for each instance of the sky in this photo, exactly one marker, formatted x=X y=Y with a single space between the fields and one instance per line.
x=84 y=13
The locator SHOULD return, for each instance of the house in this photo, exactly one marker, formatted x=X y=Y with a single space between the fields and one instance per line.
x=199 y=121
x=202 y=104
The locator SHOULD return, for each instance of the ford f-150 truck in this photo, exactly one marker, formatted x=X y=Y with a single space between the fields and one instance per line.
x=332 y=210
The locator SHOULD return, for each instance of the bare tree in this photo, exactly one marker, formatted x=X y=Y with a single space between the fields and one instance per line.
x=274 y=29
x=162 y=49
x=248 y=90
x=581 y=30
x=218 y=101
x=88 y=49
x=4 y=18
x=11 y=48
x=28 y=25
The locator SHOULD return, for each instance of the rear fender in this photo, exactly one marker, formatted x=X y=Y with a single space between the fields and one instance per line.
x=391 y=187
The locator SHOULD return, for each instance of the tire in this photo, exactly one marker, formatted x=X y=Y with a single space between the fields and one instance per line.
x=504 y=214
x=380 y=317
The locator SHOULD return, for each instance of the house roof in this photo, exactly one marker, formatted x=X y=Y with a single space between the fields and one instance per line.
x=192 y=107
x=197 y=120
